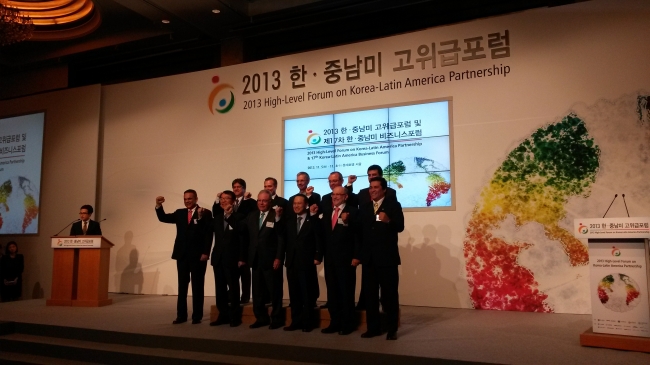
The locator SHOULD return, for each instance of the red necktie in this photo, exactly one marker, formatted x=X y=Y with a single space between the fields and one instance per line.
x=189 y=216
x=335 y=217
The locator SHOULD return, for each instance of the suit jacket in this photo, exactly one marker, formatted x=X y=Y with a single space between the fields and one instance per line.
x=364 y=195
x=265 y=243
x=228 y=246
x=379 y=239
x=94 y=229
x=246 y=206
x=281 y=202
x=301 y=247
x=192 y=239
x=341 y=244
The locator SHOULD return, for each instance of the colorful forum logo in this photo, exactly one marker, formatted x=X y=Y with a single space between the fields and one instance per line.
x=313 y=138
x=615 y=251
x=583 y=229
x=220 y=93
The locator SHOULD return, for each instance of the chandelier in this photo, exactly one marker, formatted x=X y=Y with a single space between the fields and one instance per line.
x=14 y=26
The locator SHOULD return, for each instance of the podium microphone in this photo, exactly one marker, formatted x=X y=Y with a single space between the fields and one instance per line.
x=102 y=220
x=610 y=205
x=628 y=213
x=69 y=224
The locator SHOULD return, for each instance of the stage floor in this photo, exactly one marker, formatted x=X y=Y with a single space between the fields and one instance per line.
x=437 y=333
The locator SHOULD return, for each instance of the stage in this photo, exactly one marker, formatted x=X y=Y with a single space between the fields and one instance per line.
x=138 y=328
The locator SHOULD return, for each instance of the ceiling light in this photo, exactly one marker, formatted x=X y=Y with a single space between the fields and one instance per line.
x=216 y=11
x=165 y=21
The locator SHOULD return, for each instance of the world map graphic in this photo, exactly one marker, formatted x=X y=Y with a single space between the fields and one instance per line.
x=18 y=206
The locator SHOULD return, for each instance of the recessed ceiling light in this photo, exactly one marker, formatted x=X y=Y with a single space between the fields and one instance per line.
x=165 y=21
x=216 y=11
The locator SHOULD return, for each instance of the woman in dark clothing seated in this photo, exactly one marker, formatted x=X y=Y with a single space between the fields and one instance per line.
x=11 y=270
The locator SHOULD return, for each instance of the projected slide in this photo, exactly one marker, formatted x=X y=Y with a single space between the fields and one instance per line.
x=21 y=150
x=411 y=143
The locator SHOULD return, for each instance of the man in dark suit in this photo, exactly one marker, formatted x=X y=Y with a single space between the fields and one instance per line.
x=271 y=185
x=191 y=250
x=301 y=242
x=242 y=205
x=364 y=197
x=335 y=179
x=381 y=220
x=302 y=181
x=342 y=252
x=265 y=254
x=86 y=226
x=228 y=254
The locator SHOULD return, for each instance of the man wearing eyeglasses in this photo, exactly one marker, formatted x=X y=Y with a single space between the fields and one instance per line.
x=86 y=226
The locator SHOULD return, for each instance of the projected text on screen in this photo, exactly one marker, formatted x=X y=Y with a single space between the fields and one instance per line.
x=21 y=146
x=411 y=143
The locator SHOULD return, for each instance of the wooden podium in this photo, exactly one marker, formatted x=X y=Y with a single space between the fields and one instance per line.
x=619 y=268
x=80 y=271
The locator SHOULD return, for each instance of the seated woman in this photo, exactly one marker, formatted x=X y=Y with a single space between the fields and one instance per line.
x=11 y=272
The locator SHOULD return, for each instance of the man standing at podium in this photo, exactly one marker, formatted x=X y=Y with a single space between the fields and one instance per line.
x=191 y=250
x=86 y=226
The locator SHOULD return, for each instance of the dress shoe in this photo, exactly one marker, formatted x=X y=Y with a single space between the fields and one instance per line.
x=179 y=321
x=276 y=325
x=306 y=329
x=292 y=327
x=220 y=321
x=245 y=301
x=360 y=307
x=235 y=322
x=326 y=305
x=196 y=321
x=258 y=324
x=370 y=334
x=329 y=329
x=391 y=335
x=345 y=332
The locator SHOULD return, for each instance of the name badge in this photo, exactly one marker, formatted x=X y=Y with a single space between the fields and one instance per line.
x=320 y=216
x=275 y=207
x=340 y=221
x=377 y=218
x=229 y=228
x=269 y=224
x=196 y=221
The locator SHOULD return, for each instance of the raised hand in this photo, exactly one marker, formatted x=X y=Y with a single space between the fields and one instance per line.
x=352 y=179
x=383 y=217
x=313 y=209
x=159 y=201
x=309 y=190
x=344 y=217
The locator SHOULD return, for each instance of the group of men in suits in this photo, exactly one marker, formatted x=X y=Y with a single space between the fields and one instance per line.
x=340 y=230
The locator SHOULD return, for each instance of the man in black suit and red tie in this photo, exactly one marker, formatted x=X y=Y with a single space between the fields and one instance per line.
x=363 y=198
x=342 y=252
x=301 y=243
x=381 y=220
x=265 y=255
x=191 y=250
x=228 y=255
x=86 y=226
x=335 y=179
x=242 y=205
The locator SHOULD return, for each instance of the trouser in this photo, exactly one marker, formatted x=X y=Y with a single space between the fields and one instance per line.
x=340 y=296
x=386 y=279
x=190 y=271
x=302 y=294
x=226 y=280
x=244 y=273
x=271 y=281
